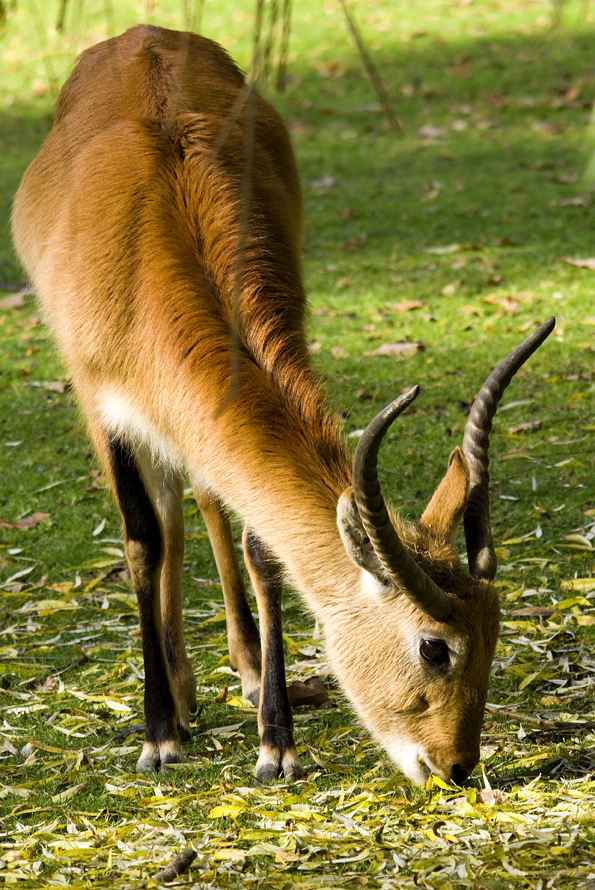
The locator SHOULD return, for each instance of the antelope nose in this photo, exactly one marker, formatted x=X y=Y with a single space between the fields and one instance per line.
x=459 y=774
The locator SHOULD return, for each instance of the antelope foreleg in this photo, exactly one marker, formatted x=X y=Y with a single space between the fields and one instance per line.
x=278 y=753
x=243 y=638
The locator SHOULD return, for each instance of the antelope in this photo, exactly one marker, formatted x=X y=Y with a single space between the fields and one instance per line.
x=161 y=226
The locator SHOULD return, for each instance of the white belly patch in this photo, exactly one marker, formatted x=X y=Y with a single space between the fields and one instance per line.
x=120 y=418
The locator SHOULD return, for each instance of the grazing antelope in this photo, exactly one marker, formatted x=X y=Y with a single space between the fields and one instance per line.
x=161 y=226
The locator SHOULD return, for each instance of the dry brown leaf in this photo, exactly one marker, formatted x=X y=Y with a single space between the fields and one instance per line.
x=311 y=693
x=545 y=127
x=535 y=612
x=510 y=306
x=573 y=93
x=429 y=131
x=330 y=313
x=98 y=481
x=407 y=305
x=506 y=241
x=221 y=697
x=296 y=125
x=568 y=178
x=325 y=182
x=281 y=856
x=332 y=68
x=489 y=797
x=15 y=301
x=355 y=243
x=485 y=123
x=581 y=264
x=27 y=522
x=48 y=685
x=405 y=348
x=525 y=427
x=570 y=202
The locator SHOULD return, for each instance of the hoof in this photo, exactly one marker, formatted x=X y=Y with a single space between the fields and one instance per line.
x=294 y=773
x=184 y=732
x=272 y=762
x=291 y=766
x=154 y=755
x=266 y=776
x=172 y=759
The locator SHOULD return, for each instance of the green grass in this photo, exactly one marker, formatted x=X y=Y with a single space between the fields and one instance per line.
x=496 y=107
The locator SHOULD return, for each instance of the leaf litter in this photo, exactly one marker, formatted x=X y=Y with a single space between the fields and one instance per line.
x=76 y=814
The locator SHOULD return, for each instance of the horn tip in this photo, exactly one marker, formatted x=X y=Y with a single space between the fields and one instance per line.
x=405 y=398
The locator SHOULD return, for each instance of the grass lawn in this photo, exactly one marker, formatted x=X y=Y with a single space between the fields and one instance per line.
x=457 y=237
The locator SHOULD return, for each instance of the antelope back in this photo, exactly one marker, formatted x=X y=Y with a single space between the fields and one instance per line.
x=140 y=190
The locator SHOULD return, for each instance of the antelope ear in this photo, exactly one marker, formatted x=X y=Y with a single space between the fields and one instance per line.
x=355 y=540
x=446 y=508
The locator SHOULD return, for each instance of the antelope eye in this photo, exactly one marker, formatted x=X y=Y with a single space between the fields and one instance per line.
x=435 y=652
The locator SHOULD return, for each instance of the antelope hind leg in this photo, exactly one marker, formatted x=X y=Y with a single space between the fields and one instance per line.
x=278 y=753
x=145 y=551
x=167 y=486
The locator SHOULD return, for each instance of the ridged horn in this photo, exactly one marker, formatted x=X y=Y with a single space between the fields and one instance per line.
x=397 y=562
x=476 y=443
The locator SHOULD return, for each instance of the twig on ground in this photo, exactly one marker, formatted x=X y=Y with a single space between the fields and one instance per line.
x=539 y=722
x=133 y=729
x=179 y=864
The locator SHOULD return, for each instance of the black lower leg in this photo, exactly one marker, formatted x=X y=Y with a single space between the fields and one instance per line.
x=144 y=551
x=275 y=720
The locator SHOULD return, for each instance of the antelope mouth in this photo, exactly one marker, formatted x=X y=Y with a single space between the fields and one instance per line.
x=425 y=771
x=413 y=761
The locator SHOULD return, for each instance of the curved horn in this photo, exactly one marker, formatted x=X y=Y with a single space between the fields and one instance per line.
x=476 y=442
x=394 y=558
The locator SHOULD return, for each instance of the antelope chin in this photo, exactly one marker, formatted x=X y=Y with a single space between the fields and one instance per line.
x=412 y=760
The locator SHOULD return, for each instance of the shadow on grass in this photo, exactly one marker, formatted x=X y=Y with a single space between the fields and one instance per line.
x=517 y=104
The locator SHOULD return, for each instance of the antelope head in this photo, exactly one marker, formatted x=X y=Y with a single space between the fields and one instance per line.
x=416 y=663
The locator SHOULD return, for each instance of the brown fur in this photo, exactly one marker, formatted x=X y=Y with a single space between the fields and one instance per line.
x=130 y=224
